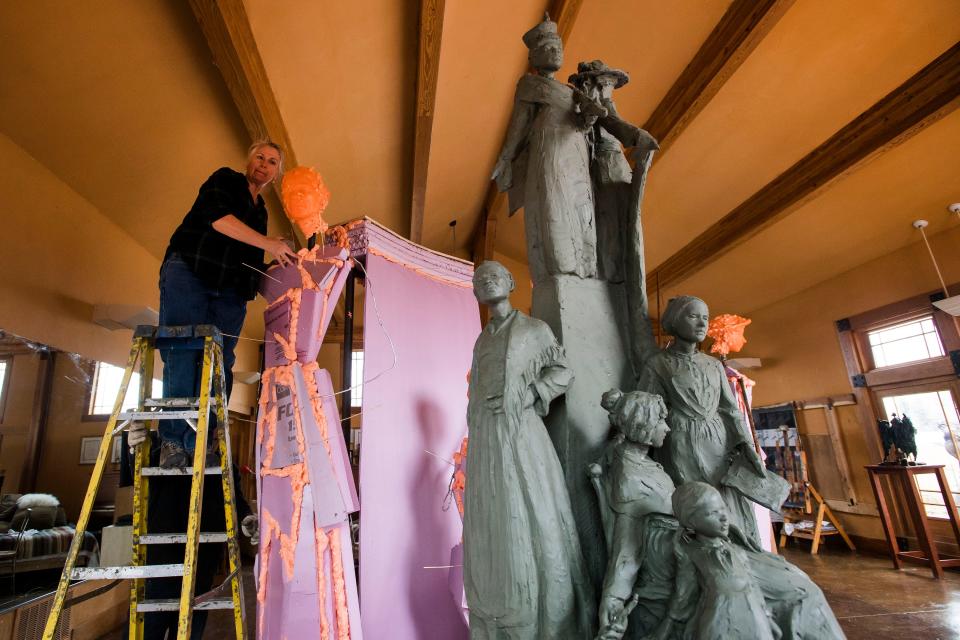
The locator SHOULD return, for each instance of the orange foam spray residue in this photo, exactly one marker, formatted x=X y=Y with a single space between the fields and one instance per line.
x=296 y=473
x=316 y=403
x=339 y=587
x=266 y=436
x=269 y=532
x=321 y=544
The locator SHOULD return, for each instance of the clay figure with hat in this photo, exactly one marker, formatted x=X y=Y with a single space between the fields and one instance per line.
x=544 y=163
x=618 y=196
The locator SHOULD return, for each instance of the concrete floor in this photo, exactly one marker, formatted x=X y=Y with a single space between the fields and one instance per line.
x=871 y=599
x=874 y=601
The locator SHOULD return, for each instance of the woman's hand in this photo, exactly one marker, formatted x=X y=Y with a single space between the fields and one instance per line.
x=231 y=226
x=610 y=609
x=280 y=249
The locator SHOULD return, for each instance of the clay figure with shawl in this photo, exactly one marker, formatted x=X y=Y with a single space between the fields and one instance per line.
x=708 y=437
x=524 y=574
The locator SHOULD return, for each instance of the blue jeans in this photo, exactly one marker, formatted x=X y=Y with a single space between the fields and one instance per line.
x=185 y=300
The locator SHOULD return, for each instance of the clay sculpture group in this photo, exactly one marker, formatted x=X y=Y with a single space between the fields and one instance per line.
x=624 y=514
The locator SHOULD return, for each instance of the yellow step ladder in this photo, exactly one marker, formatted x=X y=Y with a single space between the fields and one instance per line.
x=196 y=412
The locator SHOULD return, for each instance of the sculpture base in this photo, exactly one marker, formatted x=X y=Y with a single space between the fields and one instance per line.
x=588 y=318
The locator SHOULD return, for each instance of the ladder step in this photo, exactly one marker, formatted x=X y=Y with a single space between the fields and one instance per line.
x=173 y=402
x=160 y=471
x=160 y=415
x=171 y=604
x=179 y=538
x=128 y=572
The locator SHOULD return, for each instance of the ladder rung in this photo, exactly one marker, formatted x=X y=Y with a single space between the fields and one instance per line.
x=171 y=604
x=159 y=415
x=128 y=572
x=187 y=471
x=179 y=538
x=173 y=402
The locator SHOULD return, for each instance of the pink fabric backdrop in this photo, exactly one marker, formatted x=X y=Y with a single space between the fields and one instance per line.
x=418 y=406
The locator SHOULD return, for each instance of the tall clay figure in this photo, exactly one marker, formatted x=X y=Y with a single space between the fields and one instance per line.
x=545 y=164
x=635 y=492
x=524 y=574
x=706 y=427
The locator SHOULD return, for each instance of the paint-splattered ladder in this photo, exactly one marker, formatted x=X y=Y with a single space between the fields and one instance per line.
x=196 y=412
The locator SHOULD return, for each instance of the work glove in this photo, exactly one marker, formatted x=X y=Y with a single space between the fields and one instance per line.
x=137 y=434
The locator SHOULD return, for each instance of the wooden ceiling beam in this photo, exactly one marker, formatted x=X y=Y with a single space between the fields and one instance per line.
x=740 y=30
x=564 y=13
x=226 y=27
x=428 y=67
x=927 y=96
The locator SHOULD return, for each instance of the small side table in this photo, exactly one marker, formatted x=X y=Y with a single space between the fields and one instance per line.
x=928 y=554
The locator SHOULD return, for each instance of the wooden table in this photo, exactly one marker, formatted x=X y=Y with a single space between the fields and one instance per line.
x=906 y=476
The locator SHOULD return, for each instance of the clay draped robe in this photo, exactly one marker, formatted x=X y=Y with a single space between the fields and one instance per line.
x=523 y=567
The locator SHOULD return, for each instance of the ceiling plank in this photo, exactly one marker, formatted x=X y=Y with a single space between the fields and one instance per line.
x=927 y=96
x=428 y=66
x=740 y=30
x=564 y=13
x=226 y=27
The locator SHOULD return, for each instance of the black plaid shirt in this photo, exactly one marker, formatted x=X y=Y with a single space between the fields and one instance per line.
x=214 y=258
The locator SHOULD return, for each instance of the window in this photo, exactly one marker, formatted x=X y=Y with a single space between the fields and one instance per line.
x=356 y=379
x=934 y=416
x=106 y=385
x=905 y=342
x=5 y=364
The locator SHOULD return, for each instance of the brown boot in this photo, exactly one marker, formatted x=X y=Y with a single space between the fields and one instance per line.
x=173 y=455
x=213 y=449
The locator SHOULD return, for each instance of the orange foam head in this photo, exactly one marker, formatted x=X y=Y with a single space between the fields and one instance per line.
x=305 y=197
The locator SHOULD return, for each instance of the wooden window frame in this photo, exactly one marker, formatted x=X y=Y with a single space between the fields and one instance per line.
x=88 y=398
x=5 y=387
x=869 y=382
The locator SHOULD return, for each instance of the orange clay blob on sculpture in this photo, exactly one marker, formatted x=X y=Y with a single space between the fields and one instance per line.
x=459 y=485
x=305 y=198
x=339 y=237
x=727 y=333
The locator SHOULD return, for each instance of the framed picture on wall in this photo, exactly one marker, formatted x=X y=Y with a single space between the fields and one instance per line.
x=90 y=447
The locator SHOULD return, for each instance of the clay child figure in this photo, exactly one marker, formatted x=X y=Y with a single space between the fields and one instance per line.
x=730 y=605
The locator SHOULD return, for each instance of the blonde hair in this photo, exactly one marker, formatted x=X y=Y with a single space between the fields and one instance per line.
x=266 y=142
